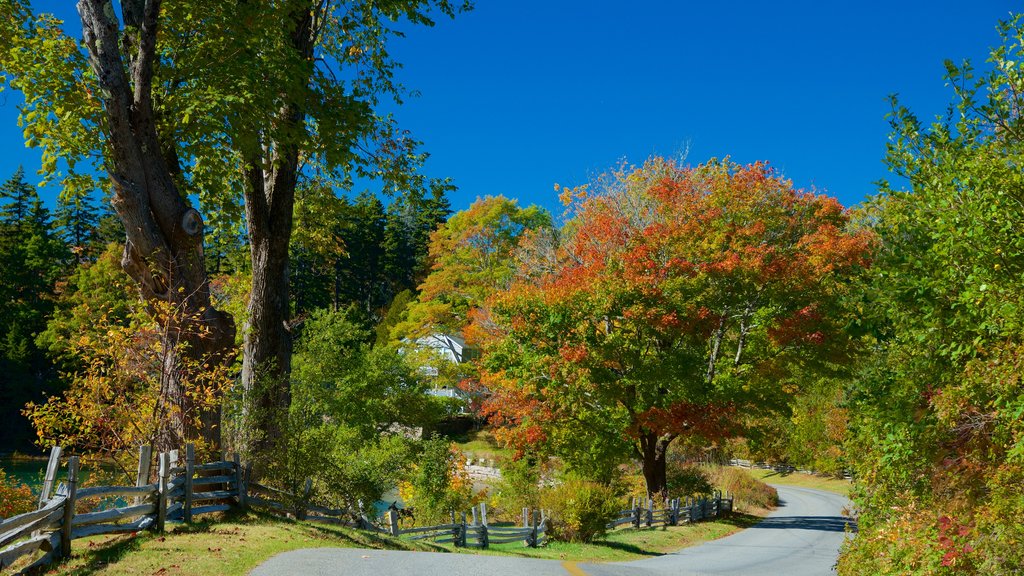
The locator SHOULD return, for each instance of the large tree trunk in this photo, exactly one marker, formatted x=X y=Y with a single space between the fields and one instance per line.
x=164 y=234
x=653 y=451
x=266 y=360
x=272 y=176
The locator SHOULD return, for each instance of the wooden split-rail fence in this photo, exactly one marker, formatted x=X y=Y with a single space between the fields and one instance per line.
x=181 y=490
x=473 y=530
x=671 y=512
x=184 y=489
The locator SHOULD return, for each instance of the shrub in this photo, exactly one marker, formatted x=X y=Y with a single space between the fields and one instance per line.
x=518 y=488
x=747 y=491
x=15 y=497
x=686 y=480
x=580 y=509
x=439 y=483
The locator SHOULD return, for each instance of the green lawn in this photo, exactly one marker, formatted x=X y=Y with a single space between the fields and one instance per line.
x=837 y=485
x=627 y=544
x=481 y=444
x=236 y=543
x=232 y=544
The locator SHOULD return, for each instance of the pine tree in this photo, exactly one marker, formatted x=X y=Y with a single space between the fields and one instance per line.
x=32 y=257
x=78 y=219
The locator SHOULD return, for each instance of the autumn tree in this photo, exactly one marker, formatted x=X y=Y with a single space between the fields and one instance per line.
x=471 y=257
x=212 y=101
x=674 y=300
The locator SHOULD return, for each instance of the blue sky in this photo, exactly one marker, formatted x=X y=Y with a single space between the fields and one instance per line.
x=516 y=96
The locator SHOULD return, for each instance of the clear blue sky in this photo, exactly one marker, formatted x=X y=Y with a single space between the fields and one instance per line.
x=519 y=95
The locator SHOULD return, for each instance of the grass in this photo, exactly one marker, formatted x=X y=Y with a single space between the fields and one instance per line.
x=481 y=444
x=231 y=544
x=627 y=544
x=837 y=485
x=236 y=543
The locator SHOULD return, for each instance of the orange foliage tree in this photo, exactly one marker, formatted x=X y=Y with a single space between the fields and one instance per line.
x=674 y=301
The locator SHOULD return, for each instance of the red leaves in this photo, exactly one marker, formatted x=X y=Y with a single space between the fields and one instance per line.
x=708 y=421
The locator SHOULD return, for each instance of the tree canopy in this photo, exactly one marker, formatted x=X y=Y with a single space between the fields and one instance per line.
x=675 y=300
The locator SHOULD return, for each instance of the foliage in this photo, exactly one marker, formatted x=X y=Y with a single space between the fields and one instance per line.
x=749 y=492
x=120 y=385
x=935 y=414
x=32 y=261
x=580 y=510
x=818 y=428
x=518 y=488
x=370 y=389
x=673 y=300
x=439 y=484
x=96 y=295
x=15 y=497
x=685 y=480
x=472 y=256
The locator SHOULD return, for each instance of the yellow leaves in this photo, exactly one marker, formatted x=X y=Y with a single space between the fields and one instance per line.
x=568 y=195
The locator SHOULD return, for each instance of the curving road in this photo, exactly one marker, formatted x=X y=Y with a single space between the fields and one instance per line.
x=800 y=538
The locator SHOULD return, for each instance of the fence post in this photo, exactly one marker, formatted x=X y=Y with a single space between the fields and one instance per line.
x=650 y=512
x=636 y=513
x=462 y=532
x=484 y=537
x=473 y=510
x=190 y=469
x=161 y=504
x=526 y=517
x=533 y=530
x=455 y=529
x=69 y=507
x=145 y=458
x=51 y=475
x=393 y=521
x=300 y=514
x=240 y=482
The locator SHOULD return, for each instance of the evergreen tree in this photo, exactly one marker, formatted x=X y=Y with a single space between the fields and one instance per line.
x=78 y=219
x=31 y=260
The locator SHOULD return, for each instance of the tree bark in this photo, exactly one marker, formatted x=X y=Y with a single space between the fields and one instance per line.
x=272 y=176
x=164 y=234
x=653 y=455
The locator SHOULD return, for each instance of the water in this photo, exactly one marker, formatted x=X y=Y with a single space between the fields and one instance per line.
x=25 y=471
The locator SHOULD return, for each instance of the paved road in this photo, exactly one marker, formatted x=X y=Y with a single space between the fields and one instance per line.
x=801 y=538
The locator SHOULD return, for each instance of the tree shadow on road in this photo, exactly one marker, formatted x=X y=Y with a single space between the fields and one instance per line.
x=819 y=523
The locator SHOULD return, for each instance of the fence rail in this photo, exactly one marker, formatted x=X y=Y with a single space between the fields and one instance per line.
x=671 y=512
x=477 y=532
x=183 y=490
x=57 y=522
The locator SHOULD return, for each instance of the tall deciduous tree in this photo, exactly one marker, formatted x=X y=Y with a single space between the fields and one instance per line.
x=193 y=99
x=674 y=300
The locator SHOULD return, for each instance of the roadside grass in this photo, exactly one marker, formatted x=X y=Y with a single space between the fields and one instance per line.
x=837 y=485
x=234 y=544
x=626 y=544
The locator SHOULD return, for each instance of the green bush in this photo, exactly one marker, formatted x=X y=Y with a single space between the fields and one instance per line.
x=687 y=480
x=439 y=483
x=518 y=488
x=579 y=509
x=747 y=491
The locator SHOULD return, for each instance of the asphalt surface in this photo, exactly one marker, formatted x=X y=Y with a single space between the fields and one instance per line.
x=800 y=538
